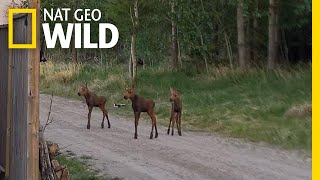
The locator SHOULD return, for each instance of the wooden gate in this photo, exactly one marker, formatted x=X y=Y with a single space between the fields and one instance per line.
x=14 y=102
x=18 y=155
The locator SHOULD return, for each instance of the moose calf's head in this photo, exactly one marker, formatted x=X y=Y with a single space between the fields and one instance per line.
x=83 y=90
x=174 y=95
x=129 y=94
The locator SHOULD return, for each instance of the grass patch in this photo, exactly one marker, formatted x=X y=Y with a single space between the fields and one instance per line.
x=79 y=168
x=250 y=104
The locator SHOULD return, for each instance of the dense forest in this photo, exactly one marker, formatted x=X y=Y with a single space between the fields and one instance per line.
x=198 y=34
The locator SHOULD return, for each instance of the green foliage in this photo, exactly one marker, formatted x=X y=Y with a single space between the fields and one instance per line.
x=295 y=14
x=205 y=28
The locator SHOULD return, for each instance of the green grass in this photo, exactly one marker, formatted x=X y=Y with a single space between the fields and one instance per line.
x=79 y=168
x=248 y=104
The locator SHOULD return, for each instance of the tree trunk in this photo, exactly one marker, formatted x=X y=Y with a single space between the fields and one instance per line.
x=248 y=41
x=133 y=58
x=130 y=67
x=74 y=55
x=179 y=55
x=174 y=39
x=285 y=47
x=73 y=49
x=254 y=34
x=204 y=56
x=202 y=42
x=229 y=50
x=241 y=36
x=273 y=34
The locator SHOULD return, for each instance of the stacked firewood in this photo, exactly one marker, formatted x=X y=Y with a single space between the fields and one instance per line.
x=50 y=168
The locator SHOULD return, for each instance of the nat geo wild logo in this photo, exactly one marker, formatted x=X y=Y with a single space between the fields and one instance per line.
x=80 y=30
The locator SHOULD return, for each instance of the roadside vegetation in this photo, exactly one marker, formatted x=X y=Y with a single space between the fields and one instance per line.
x=259 y=105
x=80 y=169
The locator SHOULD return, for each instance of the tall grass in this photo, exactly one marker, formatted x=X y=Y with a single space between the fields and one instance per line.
x=248 y=104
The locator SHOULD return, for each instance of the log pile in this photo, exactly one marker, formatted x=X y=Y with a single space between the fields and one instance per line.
x=50 y=169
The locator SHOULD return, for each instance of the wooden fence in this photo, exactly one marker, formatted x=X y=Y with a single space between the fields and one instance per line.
x=15 y=101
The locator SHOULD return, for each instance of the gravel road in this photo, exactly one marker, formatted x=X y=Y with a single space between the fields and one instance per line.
x=191 y=156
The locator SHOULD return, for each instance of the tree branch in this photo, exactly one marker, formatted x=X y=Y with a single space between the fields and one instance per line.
x=49 y=118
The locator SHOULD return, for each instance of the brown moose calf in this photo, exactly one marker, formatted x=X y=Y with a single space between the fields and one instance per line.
x=176 y=110
x=139 y=104
x=93 y=100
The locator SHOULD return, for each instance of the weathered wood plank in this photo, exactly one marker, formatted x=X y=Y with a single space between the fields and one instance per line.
x=3 y=91
x=34 y=123
x=18 y=130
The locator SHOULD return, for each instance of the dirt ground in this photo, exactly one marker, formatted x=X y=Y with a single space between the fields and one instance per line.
x=191 y=156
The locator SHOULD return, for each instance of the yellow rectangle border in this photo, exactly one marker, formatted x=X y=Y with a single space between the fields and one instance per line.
x=315 y=89
x=33 y=44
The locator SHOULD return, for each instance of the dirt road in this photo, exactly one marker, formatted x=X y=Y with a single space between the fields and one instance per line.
x=192 y=156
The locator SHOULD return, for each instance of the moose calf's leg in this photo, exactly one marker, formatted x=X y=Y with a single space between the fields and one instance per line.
x=136 y=120
x=173 y=119
x=105 y=113
x=155 y=126
x=89 y=117
x=179 y=121
x=108 y=119
x=153 y=120
x=151 y=134
x=170 y=122
x=102 y=123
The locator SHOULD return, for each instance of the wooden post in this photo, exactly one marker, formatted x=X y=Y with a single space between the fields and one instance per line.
x=33 y=124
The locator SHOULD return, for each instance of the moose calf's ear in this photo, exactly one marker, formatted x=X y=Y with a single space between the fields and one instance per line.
x=172 y=90
x=132 y=86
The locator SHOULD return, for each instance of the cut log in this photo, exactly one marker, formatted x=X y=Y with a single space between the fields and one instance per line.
x=65 y=174
x=62 y=172
x=53 y=150
x=49 y=167
x=55 y=164
x=57 y=169
x=47 y=172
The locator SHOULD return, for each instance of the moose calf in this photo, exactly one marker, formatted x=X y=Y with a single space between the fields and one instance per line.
x=93 y=100
x=176 y=110
x=139 y=104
